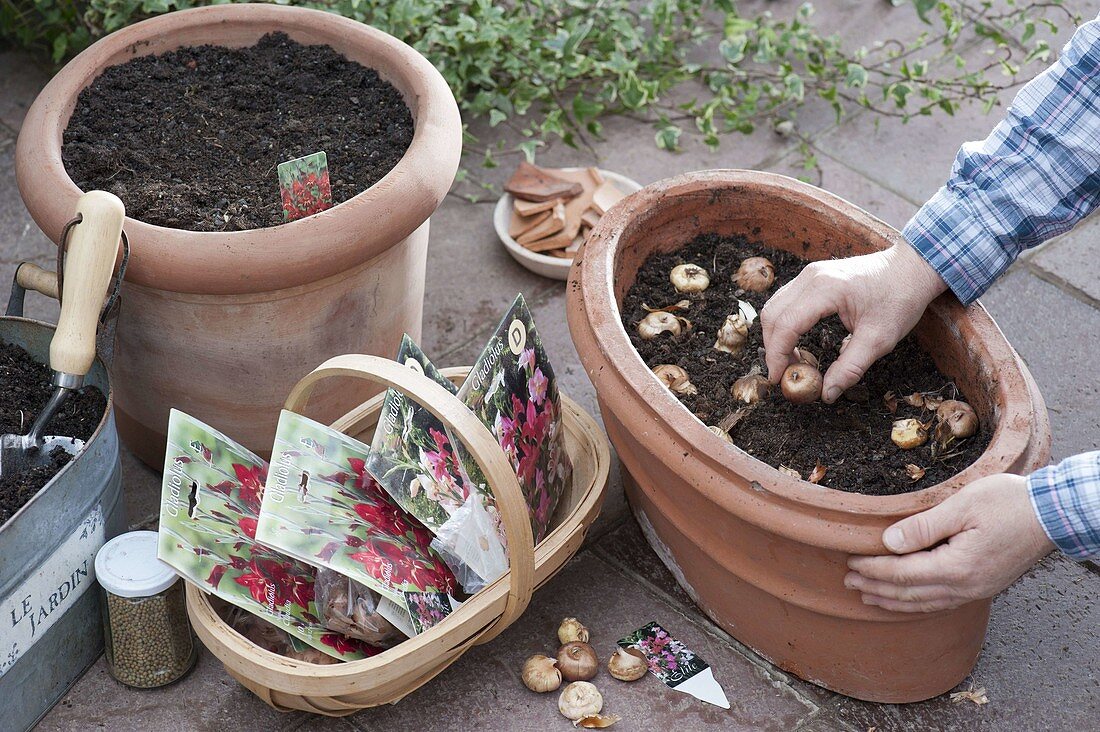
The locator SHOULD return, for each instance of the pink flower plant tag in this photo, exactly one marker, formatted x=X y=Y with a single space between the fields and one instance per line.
x=322 y=506
x=676 y=665
x=304 y=186
x=210 y=505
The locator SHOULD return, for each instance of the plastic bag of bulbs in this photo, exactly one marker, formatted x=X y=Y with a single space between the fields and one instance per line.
x=350 y=608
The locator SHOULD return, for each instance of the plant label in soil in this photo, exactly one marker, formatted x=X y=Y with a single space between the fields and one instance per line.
x=321 y=506
x=214 y=545
x=676 y=665
x=304 y=186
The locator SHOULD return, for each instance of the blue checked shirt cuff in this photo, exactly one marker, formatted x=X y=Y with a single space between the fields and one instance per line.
x=1066 y=498
x=957 y=245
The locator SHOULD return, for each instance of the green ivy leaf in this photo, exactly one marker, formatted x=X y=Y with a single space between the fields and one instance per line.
x=668 y=137
x=856 y=77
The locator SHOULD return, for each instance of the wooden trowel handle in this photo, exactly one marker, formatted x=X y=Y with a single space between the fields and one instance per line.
x=89 y=264
x=32 y=277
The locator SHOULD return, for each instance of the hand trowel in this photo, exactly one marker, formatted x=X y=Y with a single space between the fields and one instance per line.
x=89 y=265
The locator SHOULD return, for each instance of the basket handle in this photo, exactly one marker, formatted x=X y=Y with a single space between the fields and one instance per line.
x=477 y=439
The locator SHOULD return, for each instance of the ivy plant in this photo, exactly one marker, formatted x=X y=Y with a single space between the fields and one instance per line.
x=553 y=69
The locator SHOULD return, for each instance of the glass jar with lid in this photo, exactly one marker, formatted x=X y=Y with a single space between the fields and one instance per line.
x=147 y=635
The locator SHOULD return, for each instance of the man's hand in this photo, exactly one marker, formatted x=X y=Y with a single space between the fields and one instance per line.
x=993 y=536
x=879 y=298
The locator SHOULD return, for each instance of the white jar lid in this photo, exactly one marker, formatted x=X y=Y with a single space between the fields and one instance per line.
x=127 y=566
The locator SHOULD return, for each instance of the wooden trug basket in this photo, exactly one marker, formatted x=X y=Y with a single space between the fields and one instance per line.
x=341 y=689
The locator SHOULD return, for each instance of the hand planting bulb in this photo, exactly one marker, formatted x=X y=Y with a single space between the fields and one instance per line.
x=733 y=335
x=656 y=323
x=689 y=278
x=579 y=700
x=676 y=379
x=756 y=274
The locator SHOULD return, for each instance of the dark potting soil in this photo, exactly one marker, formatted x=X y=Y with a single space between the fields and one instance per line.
x=851 y=438
x=192 y=139
x=24 y=390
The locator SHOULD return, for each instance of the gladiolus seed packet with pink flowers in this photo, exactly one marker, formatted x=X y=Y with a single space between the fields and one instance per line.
x=210 y=505
x=513 y=391
x=415 y=457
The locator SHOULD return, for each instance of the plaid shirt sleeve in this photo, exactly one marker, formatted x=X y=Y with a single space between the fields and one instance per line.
x=1034 y=177
x=1066 y=497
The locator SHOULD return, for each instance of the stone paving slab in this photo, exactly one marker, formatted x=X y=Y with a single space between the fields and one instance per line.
x=20 y=238
x=1073 y=260
x=206 y=700
x=1040 y=665
x=836 y=177
x=1041 y=662
x=1055 y=334
x=21 y=76
x=913 y=159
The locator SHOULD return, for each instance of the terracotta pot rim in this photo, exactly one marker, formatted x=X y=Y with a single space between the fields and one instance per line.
x=593 y=290
x=275 y=257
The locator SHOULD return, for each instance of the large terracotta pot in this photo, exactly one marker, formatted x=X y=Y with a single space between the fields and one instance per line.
x=762 y=553
x=222 y=325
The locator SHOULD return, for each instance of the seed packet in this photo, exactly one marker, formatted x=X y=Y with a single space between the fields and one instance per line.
x=210 y=504
x=304 y=186
x=414 y=458
x=676 y=665
x=322 y=507
x=513 y=391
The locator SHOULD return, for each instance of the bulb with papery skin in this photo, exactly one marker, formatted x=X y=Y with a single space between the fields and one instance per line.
x=960 y=418
x=801 y=383
x=656 y=323
x=733 y=335
x=756 y=274
x=689 y=278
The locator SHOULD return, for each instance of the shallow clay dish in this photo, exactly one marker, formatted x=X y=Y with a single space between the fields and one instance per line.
x=545 y=264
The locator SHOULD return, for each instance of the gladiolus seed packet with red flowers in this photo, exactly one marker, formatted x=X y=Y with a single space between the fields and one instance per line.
x=321 y=506
x=304 y=186
x=210 y=507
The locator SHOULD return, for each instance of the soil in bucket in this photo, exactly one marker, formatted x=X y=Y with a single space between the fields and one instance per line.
x=850 y=439
x=192 y=139
x=24 y=390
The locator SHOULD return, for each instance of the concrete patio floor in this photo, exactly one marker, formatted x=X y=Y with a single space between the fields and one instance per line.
x=1041 y=662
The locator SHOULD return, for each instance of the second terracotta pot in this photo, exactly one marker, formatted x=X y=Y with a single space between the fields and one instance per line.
x=222 y=325
x=762 y=553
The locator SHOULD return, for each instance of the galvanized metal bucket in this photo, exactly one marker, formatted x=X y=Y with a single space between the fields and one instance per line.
x=50 y=626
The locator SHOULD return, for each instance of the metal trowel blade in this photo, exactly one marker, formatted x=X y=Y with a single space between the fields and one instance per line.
x=18 y=453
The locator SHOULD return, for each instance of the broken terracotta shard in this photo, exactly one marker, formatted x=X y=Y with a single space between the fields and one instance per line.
x=533 y=183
